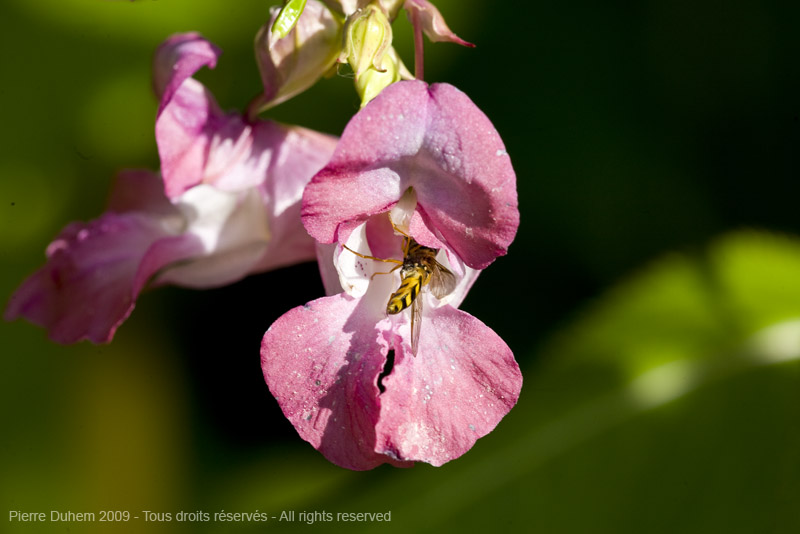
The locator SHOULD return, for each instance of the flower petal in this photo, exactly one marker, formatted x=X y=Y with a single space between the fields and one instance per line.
x=198 y=143
x=300 y=155
x=327 y=270
x=253 y=229
x=462 y=382
x=177 y=59
x=357 y=275
x=188 y=115
x=321 y=362
x=93 y=274
x=238 y=155
x=233 y=231
x=435 y=140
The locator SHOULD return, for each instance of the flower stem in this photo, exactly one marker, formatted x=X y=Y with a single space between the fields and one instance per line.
x=419 y=66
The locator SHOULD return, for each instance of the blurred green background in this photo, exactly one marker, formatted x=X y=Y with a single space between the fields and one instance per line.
x=652 y=296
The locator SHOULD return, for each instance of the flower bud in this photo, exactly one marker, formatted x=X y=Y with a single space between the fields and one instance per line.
x=289 y=65
x=368 y=35
x=373 y=81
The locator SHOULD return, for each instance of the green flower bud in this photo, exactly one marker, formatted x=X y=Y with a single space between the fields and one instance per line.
x=373 y=81
x=368 y=35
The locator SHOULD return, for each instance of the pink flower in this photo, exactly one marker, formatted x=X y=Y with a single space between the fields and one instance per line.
x=229 y=206
x=427 y=161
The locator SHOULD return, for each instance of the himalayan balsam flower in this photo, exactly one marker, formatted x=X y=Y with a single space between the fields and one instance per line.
x=425 y=160
x=229 y=205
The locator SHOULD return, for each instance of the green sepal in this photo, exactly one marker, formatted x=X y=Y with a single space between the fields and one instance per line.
x=287 y=18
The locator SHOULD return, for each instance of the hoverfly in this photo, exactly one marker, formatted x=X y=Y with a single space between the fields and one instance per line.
x=418 y=269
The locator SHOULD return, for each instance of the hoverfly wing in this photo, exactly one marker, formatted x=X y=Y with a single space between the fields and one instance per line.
x=442 y=282
x=416 y=324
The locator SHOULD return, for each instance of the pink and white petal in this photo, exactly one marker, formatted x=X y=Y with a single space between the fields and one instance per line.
x=300 y=155
x=404 y=216
x=189 y=124
x=249 y=219
x=294 y=156
x=419 y=230
x=287 y=248
x=462 y=382
x=338 y=198
x=382 y=240
x=140 y=190
x=362 y=178
x=321 y=362
x=93 y=275
x=241 y=244
x=359 y=276
x=177 y=59
x=233 y=231
x=204 y=270
x=327 y=269
x=377 y=238
x=469 y=193
x=437 y=141
x=424 y=13
x=238 y=153
x=279 y=158
x=185 y=128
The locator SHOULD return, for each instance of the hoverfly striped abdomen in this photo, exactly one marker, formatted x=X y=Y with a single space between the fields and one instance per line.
x=418 y=265
x=413 y=277
x=417 y=269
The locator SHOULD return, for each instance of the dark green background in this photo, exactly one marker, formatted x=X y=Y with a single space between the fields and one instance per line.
x=652 y=295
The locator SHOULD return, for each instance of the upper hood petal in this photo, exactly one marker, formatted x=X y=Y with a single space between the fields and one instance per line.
x=188 y=116
x=177 y=59
x=435 y=140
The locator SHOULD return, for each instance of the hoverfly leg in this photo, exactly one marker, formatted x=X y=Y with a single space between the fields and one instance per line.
x=406 y=238
x=400 y=263
x=388 y=272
